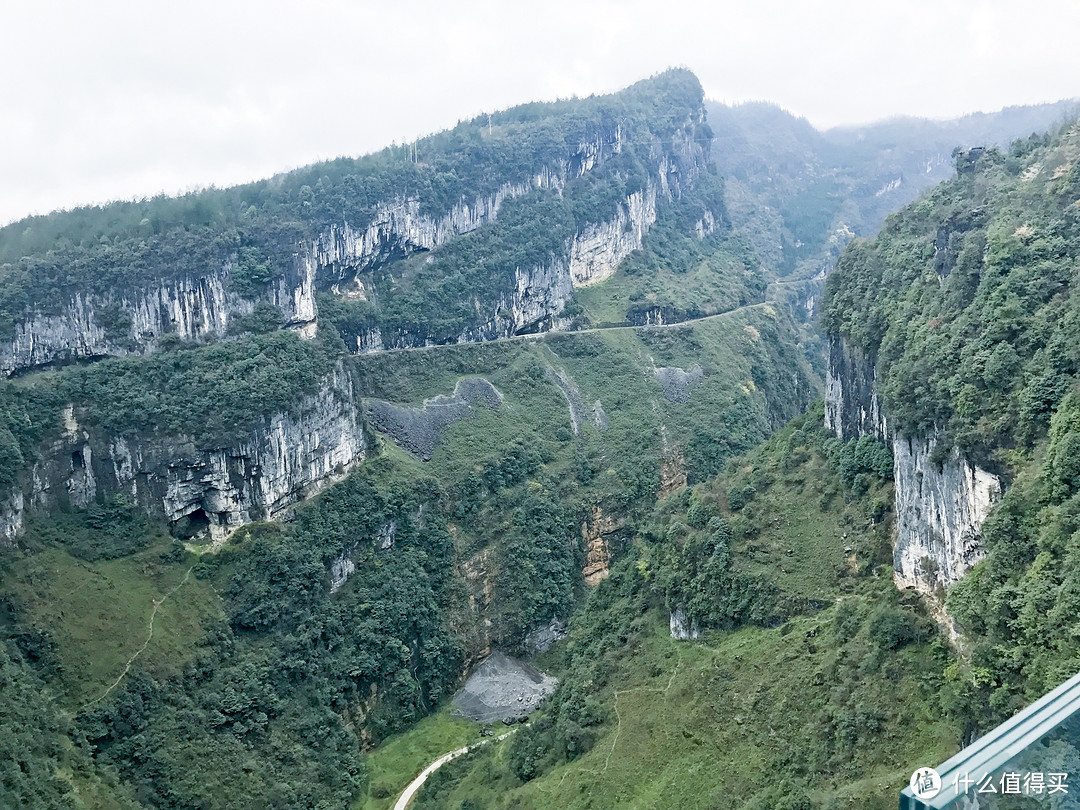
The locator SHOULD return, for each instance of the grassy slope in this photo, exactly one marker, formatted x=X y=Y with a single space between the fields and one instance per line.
x=808 y=708
x=402 y=757
x=751 y=383
x=98 y=614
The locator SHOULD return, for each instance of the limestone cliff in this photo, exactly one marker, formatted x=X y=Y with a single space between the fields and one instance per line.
x=130 y=321
x=11 y=517
x=540 y=293
x=940 y=508
x=286 y=456
x=939 y=511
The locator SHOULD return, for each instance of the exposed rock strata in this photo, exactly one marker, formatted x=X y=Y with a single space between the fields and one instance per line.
x=682 y=628
x=11 y=517
x=130 y=321
x=570 y=392
x=286 y=457
x=940 y=508
x=596 y=537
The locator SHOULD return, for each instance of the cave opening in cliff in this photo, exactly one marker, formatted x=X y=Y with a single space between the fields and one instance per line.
x=191 y=525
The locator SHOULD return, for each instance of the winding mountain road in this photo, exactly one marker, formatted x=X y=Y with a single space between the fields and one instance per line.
x=407 y=795
x=593 y=329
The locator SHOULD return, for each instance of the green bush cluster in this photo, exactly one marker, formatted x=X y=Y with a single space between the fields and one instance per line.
x=964 y=299
x=278 y=682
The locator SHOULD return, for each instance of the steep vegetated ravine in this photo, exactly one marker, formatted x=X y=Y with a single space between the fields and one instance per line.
x=325 y=532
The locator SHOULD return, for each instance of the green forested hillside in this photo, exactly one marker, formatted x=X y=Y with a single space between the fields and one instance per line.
x=550 y=170
x=800 y=194
x=647 y=449
x=968 y=302
x=788 y=702
x=253 y=663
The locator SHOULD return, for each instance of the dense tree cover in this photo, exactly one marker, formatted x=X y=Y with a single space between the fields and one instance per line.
x=965 y=298
x=688 y=557
x=213 y=393
x=1018 y=607
x=41 y=766
x=256 y=228
x=801 y=194
x=843 y=654
x=27 y=416
x=275 y=708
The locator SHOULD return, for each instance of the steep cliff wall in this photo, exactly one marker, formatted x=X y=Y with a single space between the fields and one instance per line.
x=286 y=456
x=598 y=249
x=540 y=293
x=939 y=512
x=398 y=228
x=852 y=407
x=11 y=517
x=129 y=321
x=940 y=508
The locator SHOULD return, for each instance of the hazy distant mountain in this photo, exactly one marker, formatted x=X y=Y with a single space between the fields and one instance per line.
x=802 y=193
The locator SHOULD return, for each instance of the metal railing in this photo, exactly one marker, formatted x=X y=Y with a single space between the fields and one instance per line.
x=1029 y=761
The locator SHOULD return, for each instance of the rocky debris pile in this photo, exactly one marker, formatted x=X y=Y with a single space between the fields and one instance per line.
x=502 y=688
x=678 y=383
x=418 y=429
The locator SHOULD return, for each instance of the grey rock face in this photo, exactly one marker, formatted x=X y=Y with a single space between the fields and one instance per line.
x=540 y=640
x=11 y=517
x=597 y=249
x=191 y=307
x=681 y=627
x=418 y=429
x=939 y=513
x=852 y=406
x=341 y=569
x=939 y=509
x=566 y=386
x=600 y=417
x=540 y=293
x=286 y=457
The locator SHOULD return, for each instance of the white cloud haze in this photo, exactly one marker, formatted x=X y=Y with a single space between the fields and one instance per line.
x=118 y=99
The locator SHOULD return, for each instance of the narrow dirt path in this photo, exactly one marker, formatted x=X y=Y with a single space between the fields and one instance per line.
x=127 y=667
x=415 y=785
x=588 y=331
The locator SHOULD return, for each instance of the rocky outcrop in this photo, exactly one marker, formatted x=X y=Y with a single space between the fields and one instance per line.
x=682 y=628
x=541 y=639
x=939 y=512
x=286 y=457
x=130 y=321
x=540 y=293
x=852 y=405
x=940 y=507
x=401 y=226
x=341 y=569
x=596 y=534
x=418 y=430
x=11 y=517
x=597 y=250
x=672 y=472
x=574 y=402
x=535 y=304
x=344 y=566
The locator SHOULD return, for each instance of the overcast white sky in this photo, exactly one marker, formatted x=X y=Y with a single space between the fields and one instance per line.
x=115 y=99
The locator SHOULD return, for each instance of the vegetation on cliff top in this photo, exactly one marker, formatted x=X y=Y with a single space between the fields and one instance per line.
x=966 y=298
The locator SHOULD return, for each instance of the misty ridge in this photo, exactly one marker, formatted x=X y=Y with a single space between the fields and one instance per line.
x=684 y=437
